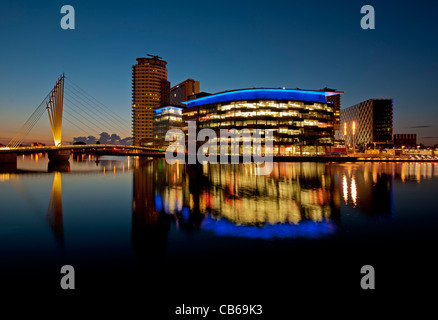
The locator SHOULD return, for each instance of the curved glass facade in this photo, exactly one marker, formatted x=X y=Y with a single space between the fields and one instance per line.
x=301 y=121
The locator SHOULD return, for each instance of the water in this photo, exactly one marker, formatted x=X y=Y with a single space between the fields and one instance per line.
x=218 y=233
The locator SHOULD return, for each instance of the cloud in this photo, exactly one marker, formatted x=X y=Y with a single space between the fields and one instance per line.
x=105 y=138
x=421 y=127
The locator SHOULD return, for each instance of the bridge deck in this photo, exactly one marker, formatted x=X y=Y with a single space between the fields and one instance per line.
x=88 y=147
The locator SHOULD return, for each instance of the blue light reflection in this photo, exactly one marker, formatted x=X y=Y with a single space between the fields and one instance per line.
x=305 y=229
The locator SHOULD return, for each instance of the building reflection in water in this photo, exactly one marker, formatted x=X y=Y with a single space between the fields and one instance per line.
x=409 y=172
x=149 y=224
x=296 y=200
x=371 y=183
x=368 y=187
x=106 y=164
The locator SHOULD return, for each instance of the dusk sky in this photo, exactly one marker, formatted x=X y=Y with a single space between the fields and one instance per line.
x=225 y=45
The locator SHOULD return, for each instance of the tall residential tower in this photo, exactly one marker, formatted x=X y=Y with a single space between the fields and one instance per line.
x=150 y=90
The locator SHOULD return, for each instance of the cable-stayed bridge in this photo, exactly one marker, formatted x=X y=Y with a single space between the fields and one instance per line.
x=68 y=102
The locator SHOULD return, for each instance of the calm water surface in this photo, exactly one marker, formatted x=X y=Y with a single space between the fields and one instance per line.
x=131 y=214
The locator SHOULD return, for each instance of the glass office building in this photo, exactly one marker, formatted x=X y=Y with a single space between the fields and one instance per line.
x=373 y=120
x=165 y=119
x=301 y=120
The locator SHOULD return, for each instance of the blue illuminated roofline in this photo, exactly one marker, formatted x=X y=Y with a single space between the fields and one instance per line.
x=158 y=111
x=263 y=94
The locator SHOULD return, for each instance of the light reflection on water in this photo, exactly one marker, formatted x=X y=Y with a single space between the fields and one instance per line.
x=297 y=200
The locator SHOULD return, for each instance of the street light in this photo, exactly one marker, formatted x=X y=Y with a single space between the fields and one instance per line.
x=345 y=135
x=354 y=131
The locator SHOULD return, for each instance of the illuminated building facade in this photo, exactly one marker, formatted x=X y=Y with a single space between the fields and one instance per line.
x=373 y=121
x=408 y=140
x=166 y=118
x=336 y=99
x=301 y=120
x=182 y=91
x=150 y=90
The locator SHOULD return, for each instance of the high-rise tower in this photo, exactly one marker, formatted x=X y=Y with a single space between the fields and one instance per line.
x=150 y=90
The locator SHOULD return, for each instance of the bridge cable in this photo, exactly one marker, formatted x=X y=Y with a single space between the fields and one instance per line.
x=87 y=132
x=85 y=121
x=28 y=125
x=102 y=106
x=88 y=114
x=94 y=106
x=92 y=111
x=99 y=104
x=72 y=123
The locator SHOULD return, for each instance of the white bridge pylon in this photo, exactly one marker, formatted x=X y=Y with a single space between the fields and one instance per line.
x=54 y=108
x=53 y=102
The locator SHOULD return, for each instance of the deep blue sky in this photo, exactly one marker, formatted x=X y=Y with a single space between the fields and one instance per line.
x=225 y=45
